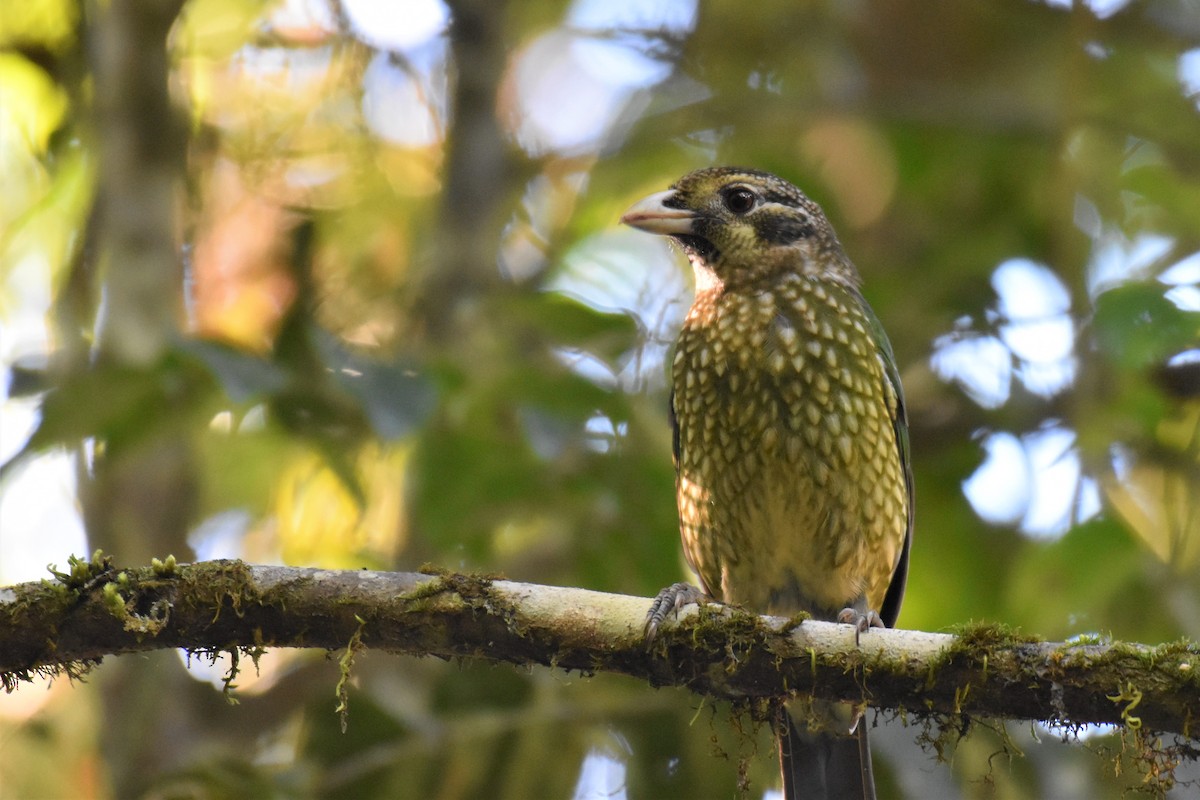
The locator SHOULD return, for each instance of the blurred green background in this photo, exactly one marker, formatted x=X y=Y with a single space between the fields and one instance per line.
x=351 y=293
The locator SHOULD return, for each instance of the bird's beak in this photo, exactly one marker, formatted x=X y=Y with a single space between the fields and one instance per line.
x=651 y=215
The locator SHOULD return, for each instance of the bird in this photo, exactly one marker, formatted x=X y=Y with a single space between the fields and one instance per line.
x=789 y=432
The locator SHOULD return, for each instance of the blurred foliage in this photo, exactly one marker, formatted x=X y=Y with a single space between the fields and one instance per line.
x=410 y=333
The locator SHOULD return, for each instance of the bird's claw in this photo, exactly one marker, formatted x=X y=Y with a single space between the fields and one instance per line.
x=861 y=622
x=669 y=601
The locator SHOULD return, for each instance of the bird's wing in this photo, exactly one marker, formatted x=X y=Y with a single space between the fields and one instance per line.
x=890 y=608
x=674 y=420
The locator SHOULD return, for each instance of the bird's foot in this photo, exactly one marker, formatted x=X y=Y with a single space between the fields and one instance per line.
x=669 y=601
x=861 y=622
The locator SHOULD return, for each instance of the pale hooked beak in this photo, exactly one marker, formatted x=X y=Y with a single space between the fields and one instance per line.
x=651 y=215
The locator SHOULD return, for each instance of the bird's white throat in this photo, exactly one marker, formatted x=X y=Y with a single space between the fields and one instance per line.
x=706 y=279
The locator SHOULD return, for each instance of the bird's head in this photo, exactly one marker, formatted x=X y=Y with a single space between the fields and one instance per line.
x=741 y=225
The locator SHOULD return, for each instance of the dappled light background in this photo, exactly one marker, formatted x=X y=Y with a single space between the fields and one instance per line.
x=407 y=329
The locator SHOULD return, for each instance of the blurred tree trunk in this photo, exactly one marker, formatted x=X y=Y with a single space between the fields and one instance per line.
x=142 y=493
x=140 y=496
x=479 y=175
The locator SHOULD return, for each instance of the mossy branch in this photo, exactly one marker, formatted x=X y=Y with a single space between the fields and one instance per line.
x=57 y=625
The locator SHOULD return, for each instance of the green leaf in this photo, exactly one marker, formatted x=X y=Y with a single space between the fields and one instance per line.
x=395 y=397
x=117 y=405
x=245 y=377
x=569 y=322
x=1139 y=327
x=1093 y=578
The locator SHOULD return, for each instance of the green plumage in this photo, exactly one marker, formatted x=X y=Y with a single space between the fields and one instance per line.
x=791 y=494
x=791 y=445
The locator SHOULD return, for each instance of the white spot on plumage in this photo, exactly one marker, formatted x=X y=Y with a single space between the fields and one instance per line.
x=846 y=548
x=813 y=413
x=833 y=423
x=787 y=334
x=811 y=435
x=826 y=445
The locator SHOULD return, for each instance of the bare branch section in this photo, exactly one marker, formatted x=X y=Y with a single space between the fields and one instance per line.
x=718 y=651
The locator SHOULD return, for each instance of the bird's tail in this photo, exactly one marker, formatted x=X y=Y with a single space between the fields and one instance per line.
x=829 y=764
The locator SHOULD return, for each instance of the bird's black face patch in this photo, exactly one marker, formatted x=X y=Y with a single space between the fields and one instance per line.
x=700 y=242
x=783 y=228
x=699 y=247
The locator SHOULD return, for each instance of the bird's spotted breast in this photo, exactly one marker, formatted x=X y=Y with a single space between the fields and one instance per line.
x=788 y=467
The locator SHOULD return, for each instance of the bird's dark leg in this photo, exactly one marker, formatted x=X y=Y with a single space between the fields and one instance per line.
x=669 y=601
x=861 y=620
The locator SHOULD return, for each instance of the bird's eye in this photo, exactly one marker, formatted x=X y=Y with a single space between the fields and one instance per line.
x=739 y=199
